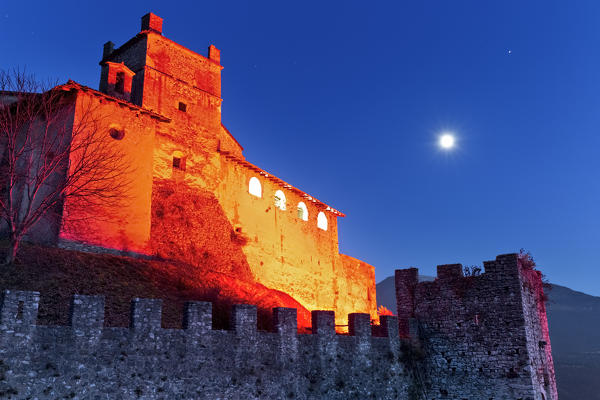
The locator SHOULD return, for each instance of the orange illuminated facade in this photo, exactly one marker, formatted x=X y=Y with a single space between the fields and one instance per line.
x=193 y=196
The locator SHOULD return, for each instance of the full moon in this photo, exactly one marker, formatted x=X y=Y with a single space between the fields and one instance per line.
x=446 y=141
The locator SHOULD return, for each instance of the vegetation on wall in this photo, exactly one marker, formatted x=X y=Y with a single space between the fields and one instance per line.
x=529 y=272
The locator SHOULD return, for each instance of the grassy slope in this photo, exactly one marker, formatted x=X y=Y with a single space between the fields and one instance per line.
x=58 y=274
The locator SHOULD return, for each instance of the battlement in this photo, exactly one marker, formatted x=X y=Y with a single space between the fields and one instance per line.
x=168 y=362
x=462 y=337
x=155 y=72
x=499 y=285
x=19 y=310
x=152 y=22
x=464 y=321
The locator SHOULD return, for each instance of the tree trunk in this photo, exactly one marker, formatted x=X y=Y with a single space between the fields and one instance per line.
x=11 y=251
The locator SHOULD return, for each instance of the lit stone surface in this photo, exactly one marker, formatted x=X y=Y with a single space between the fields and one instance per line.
x=193 y=196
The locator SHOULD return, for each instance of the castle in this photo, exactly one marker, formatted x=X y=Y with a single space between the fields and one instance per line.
x=195 y=198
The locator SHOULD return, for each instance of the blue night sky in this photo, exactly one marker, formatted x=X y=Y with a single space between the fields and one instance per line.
x=345 y=100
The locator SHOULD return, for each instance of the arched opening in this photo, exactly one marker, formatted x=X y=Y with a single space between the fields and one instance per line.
x=117 y=134
x=322 y=221
x=280 y=200
x=254 y=187
x=302 y=211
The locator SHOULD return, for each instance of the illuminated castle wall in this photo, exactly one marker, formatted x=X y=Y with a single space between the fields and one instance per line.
x=164 y=102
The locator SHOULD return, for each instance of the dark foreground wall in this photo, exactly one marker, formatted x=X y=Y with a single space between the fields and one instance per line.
x=464 y=338
x=87 y=360
x=481 y=336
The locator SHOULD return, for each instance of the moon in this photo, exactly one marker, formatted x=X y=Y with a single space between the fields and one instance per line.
x=447 y=141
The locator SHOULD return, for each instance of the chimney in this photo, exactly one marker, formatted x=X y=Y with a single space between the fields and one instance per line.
x=152 y=22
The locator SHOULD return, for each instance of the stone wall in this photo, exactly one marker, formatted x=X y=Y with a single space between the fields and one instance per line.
x=88 y=360
x=467 y=338
x=537 y=333
x=118 y=222
x=478 y=337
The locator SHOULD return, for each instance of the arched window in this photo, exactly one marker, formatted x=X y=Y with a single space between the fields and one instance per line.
x=280 y=200
x=116 y=133
x=302 y=211
x=254 y=187
x=322 y=221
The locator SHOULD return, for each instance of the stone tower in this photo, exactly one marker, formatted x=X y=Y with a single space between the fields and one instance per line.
x=166 y=78
x=481 y=337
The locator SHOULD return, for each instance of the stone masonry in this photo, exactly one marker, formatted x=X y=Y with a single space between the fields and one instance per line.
x=479 y=337
x=89 y=361
x=191 y=196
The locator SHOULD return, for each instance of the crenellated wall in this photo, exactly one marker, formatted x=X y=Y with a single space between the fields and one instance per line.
x=482 y=336
x=462 y=338
x=88 y=360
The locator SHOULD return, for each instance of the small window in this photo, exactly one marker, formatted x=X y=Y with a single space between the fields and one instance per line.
x=116 y=134
x=120 y=82
x=254 y=187
x=322 y=221
x=178 y=161
x=302 y=211
x=20 y=307
x=280 y=200
x=182 y=107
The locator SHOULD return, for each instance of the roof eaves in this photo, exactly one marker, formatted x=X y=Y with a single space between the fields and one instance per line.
x=234 y=139
x=72 y=85
x=281 y=183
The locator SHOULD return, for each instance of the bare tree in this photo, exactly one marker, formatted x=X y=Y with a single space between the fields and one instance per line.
x=54 y=150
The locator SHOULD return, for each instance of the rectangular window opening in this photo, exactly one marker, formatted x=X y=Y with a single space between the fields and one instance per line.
x=120 y=83
x=182 y=106
x=179 y=163
x=20 y=307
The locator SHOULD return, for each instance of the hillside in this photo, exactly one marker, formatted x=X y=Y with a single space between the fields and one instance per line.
x=58 y=274
x=574 y=320
x=386 y=291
